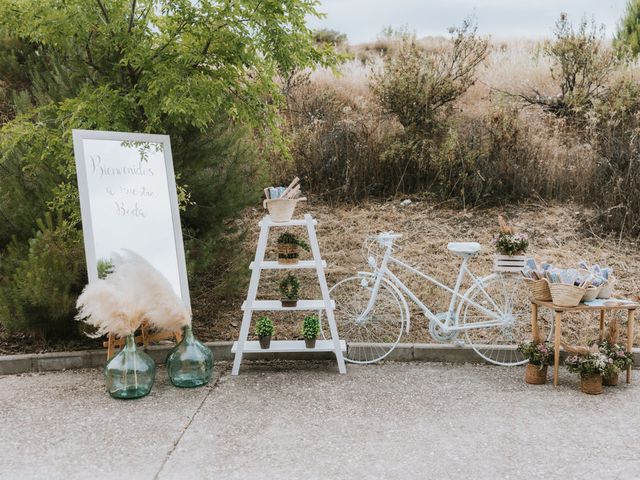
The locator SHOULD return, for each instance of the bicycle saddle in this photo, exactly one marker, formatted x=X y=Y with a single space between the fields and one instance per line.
x=464 y=249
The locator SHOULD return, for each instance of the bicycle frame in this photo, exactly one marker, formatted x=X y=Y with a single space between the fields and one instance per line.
x=457 y=298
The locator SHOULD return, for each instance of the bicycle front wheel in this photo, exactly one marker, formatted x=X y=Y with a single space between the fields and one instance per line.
x=506 y=296
x=375 y=336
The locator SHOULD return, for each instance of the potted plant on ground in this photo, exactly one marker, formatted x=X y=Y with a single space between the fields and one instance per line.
x=264 y=331
x=540 y=356
x=310 y=330
x=620 y=359
x=289 y=246
x=591 y=364
x=289 y=289
x=510 y=247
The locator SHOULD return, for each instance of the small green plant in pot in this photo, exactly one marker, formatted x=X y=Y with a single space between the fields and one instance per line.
x=264 y=331
x=289 y=246
x=310 y=330
x=289 y=289
x=540 y=356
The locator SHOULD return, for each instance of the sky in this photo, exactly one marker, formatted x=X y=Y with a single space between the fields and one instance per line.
x=363 y=20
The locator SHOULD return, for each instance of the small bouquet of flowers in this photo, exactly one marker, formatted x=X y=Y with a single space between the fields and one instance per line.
x=591 y=364
x=508 y=242
x=540 y=356
x=619 y=358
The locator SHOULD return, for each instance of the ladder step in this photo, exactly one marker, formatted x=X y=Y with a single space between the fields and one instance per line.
x=275 y=305
x=274 y=265
x=289 y=346
x=296 y=222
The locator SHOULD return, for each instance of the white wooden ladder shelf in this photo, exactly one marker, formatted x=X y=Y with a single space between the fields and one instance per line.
x=251 y=305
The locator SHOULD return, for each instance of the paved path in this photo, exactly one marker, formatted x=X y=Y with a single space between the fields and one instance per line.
x=303 y=421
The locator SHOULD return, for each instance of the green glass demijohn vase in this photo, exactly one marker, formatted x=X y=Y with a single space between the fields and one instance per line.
x=190 y=363
x=131 y=373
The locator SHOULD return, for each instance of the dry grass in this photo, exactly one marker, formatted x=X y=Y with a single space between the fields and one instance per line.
x=559 y=234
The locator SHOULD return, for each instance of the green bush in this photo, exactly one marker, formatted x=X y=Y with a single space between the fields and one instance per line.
x=264 y=327
x=203 y=72
x=628 y=36
x=310 y=327
x=39 y=282
x=581 y=64
x=417 y=85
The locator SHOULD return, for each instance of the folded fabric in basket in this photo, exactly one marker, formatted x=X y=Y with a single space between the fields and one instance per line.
x=533 y=271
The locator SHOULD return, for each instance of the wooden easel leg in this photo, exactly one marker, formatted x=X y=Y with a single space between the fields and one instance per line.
x=534 y=323
x=601 y=325
x=630 y=322
x=110 y=346
x=556 y=347
x=178 y=335
x=144 y=328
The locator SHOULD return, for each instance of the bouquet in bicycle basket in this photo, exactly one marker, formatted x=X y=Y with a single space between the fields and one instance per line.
x=511 y=247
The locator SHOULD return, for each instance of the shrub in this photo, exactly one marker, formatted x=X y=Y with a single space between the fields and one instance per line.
x=202 y=71
x=264 y=327
x=628 y=36
x=39 y=283
x=331 y=37
x=580 y=63
x=310 y=327
x=415 y=85
x=613 y=131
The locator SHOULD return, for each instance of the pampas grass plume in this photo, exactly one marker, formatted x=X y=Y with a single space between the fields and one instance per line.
x=133 y=293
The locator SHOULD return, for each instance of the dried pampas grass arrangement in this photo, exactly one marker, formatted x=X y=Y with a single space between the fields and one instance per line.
x=133 y=293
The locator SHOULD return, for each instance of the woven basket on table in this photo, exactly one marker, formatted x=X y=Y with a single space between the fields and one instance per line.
x=591 y=293
x=539 y=289
x=606 y=290
x=566 y=295
x=286 y=249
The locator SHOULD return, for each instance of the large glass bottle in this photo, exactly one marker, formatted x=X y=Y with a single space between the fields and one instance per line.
x=131 y=373
x=190 y=363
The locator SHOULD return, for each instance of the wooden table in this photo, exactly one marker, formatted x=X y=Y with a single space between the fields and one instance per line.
x=630 y=307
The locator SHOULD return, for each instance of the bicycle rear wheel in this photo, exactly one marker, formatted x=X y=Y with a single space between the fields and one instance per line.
x=379 y=333
x=507 y=296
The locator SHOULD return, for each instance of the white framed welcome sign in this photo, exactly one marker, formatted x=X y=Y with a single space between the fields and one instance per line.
x=128 y=200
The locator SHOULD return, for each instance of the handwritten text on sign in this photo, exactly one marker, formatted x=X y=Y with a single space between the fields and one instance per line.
x=130 y=202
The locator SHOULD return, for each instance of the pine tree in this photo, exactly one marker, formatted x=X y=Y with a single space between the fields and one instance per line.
x=628 y=37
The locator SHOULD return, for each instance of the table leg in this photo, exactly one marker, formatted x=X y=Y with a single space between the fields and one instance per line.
x=601 y=324
x=630 y=322
x=535 y=331
x=556 y=347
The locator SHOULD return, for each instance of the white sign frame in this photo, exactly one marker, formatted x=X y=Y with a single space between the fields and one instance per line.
x=85 y=205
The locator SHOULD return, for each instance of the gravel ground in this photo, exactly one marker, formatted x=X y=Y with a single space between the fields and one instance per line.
x=302 y=420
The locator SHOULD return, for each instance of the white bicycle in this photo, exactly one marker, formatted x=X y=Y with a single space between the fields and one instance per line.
x=372 y=312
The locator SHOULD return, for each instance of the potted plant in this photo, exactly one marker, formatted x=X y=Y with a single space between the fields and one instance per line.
x=264 y=331
x=591 y=364
x=289 y=288
x=510 y=247
x=310 y=330
x=289 y=246
x=619 y=358
x=540 y=356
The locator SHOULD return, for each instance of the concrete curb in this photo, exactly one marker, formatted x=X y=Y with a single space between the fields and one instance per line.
x=404 y=352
